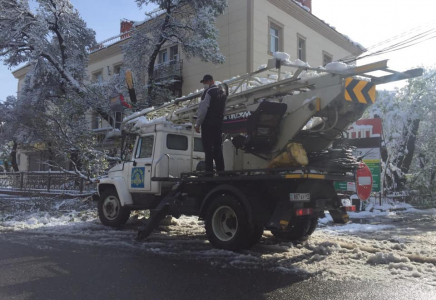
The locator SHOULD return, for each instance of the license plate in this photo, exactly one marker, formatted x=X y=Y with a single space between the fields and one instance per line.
x=299 y=197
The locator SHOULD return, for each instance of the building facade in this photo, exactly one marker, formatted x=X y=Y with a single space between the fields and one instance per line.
x=250 y=31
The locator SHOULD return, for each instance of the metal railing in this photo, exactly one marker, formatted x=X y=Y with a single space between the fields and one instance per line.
x=171 y=70
x=158 y=162
x=45 y=182
x=110 y=41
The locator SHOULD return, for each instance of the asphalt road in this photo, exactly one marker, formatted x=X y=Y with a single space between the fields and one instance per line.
x=51 y=269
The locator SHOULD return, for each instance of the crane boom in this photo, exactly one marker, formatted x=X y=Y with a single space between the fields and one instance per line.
x=183 y=109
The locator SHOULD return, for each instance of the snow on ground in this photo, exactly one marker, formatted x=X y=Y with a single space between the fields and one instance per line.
x=356 y=228
x=389 y=246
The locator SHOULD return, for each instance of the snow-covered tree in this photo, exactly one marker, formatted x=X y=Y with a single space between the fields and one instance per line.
x=55 y=33
x=8 y=145
x=50 y=110
x=188 y=23
x=408 y=118
x=54 y=41
x=58 y=132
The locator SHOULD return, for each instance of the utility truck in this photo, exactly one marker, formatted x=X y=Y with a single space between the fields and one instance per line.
x=280 y=171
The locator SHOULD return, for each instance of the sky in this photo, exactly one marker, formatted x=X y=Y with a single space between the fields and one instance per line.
x=368 y=22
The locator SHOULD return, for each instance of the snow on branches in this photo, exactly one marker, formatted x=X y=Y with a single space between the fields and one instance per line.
x=409 y=135
x=53 y=40
x=188 y=23
x=55 y=33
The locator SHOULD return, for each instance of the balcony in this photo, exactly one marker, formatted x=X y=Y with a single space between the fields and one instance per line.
x=169 y=71
x=107 y=131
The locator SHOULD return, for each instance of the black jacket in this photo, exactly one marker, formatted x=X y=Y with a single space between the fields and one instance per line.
x=211 y=108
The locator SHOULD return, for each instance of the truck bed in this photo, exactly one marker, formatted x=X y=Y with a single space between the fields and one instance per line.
x=261 y=175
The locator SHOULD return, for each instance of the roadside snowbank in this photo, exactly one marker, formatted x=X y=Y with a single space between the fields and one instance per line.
x=356 y=228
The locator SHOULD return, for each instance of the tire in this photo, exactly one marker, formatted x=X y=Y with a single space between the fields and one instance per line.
x=110 y=211
x=256 y=235
x=312 y=227
x=299 y=230
x=227 y=226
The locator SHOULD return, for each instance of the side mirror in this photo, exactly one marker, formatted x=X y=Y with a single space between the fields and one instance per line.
x=134 y=163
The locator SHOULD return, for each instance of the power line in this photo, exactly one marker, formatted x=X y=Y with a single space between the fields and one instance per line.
x=352 y=57
x=411 y=41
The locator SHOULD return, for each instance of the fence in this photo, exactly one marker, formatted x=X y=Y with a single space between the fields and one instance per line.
x=45 y=182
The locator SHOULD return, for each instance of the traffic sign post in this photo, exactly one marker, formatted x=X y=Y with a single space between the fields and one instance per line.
x=365 y=135
x=363 y=182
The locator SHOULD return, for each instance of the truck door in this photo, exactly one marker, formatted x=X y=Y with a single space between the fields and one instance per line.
x=140 y=170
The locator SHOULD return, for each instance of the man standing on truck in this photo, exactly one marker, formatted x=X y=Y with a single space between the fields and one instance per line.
x=210 y=117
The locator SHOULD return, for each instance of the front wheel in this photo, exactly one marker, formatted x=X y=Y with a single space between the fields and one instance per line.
x=227 y=226
x=110 y=210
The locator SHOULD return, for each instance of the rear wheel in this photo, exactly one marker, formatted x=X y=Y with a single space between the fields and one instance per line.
x=301 y=231
x=110 y=210
x=312 y=227
x=256 y=235
x=227 y=226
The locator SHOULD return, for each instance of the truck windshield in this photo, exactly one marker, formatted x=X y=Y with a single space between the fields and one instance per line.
x=127 y=149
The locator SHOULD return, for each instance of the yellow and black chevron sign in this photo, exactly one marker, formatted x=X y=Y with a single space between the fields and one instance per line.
x=359 y=91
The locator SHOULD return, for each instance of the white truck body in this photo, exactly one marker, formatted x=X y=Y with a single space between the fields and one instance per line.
x=248 y=197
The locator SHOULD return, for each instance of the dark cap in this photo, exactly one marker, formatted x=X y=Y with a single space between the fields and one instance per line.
x=207 y=78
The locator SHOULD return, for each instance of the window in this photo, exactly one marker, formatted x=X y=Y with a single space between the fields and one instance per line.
x=145 y=147
x=118 y=119
x=95 y=121
x=97 y=76
x=117 y=68
x=274 y=33
x=275 y=36
x=301 y=48
x=127 y=150
x=163 y=56
x=174 y=53
x=177 y=142
x=326 y=58
x=198 y=145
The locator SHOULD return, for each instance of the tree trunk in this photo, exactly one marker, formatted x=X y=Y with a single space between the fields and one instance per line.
x=6 y=164
x=75 y=161
x=408 y=148
x=150 y=72
x=14 y=157
x=152 y=62
x=51 y=160
x=406 y=160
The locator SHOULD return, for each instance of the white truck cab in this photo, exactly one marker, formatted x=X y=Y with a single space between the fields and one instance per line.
x=161 y=150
